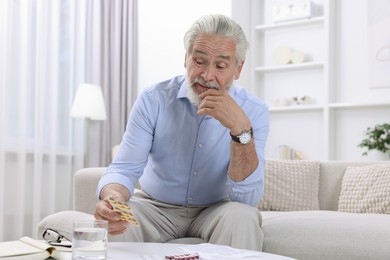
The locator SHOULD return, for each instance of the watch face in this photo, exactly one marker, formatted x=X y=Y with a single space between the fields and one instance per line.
x=245 y=137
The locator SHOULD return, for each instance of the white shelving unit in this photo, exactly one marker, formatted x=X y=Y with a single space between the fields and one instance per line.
x=293 y=125
x=345 y=105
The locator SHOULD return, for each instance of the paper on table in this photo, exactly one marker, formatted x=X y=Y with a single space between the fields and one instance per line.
x=211 y=251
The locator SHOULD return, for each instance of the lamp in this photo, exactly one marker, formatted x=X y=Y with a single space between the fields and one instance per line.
x=88 y=104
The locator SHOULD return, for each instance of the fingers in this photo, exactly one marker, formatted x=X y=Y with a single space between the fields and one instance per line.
x=218 y=104
x=118 y=227
x=104 y=211
x=221 y=106
x=211 y=99
x=213 y=92
x=114 y=231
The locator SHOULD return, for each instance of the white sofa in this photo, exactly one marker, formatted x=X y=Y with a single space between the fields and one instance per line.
x=318 y=232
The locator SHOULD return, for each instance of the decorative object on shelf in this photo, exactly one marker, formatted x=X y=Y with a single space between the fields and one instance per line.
x=377 y=138
x=285 y=152
x=304 y=100
x=281 y=102
x=294 y=11
x=284 y=55
x=297 y=57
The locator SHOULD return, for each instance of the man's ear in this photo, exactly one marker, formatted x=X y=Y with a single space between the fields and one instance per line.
x=238 y=70
x=185 y=60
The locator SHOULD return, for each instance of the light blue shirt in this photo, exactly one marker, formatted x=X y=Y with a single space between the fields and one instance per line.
x=180 y=157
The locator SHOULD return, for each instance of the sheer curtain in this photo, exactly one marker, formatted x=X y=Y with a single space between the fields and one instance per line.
x=47 y=48
x=112 y=59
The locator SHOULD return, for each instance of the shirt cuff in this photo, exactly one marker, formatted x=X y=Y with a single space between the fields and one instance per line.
x=248 y=191
x=112 y=178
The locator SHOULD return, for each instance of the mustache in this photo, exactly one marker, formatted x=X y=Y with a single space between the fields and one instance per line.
x=208 y=84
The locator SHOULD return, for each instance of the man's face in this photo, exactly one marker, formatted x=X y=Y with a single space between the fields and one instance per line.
x=211 y=63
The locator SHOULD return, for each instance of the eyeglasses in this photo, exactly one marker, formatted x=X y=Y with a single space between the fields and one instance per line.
x=56 y=239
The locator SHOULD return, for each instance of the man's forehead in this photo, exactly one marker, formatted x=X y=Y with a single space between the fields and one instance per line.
x=221 y=55
x=214 y=45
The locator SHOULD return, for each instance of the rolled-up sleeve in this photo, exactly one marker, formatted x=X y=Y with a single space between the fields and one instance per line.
x=251 y=190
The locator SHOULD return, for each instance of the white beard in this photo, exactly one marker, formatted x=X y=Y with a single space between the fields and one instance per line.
x=192 y=96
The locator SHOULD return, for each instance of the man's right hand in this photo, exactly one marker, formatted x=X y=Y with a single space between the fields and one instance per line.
x=105 y=211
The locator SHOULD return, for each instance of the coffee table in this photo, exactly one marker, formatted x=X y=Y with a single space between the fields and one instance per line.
x=154 y=251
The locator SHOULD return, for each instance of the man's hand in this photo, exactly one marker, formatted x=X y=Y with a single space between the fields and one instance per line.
x=105 y=211
x=115 y=225
x=221 y=106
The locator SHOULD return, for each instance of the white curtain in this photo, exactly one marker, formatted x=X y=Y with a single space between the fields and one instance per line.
x=46 y=50
x=112 y=58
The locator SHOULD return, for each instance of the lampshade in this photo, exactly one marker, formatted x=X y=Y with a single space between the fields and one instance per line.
x=89 y=103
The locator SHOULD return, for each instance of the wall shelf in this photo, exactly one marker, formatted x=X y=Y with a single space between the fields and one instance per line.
x=359 y=105
x=297 y=108
x=290 y=67
x=308 y=21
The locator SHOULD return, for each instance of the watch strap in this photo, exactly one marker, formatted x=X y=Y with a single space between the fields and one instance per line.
x=236 y=138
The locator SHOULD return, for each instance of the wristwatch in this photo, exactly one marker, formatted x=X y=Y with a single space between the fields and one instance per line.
x=243 y=138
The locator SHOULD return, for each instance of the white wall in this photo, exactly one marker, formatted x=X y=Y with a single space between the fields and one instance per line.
x=354 y=69
x=162 y=25
x=353 y=51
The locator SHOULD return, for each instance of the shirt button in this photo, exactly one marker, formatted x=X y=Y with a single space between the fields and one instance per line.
x=195 y=173
x=200 y=145
x=190 y=198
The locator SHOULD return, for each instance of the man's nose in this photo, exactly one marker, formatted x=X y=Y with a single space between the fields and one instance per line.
x=209 y=74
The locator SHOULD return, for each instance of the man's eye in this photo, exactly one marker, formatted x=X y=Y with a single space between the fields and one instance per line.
x=221 y=66
x=199 y=62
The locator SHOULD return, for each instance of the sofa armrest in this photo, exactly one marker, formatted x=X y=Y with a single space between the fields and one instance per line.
x=84 y=189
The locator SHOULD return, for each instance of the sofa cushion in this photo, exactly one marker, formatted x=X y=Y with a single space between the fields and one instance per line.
x=366 y=189
x=327 y=235
x=291 y=185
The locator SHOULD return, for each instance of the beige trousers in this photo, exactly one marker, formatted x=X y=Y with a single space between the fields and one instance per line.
x=225 y=223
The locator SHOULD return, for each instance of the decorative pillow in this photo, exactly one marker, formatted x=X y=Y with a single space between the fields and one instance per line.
x=366 y=189
x=291 y=185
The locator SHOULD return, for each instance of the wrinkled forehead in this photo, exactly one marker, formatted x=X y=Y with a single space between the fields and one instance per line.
x=214 y=46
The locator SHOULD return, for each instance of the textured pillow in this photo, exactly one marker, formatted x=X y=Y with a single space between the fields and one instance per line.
x=366 y=189
x=291 y=185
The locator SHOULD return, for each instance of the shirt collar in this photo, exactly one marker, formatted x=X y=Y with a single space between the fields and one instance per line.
x=182 y=93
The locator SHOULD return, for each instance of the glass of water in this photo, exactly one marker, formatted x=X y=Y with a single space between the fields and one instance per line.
x=89 y=240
